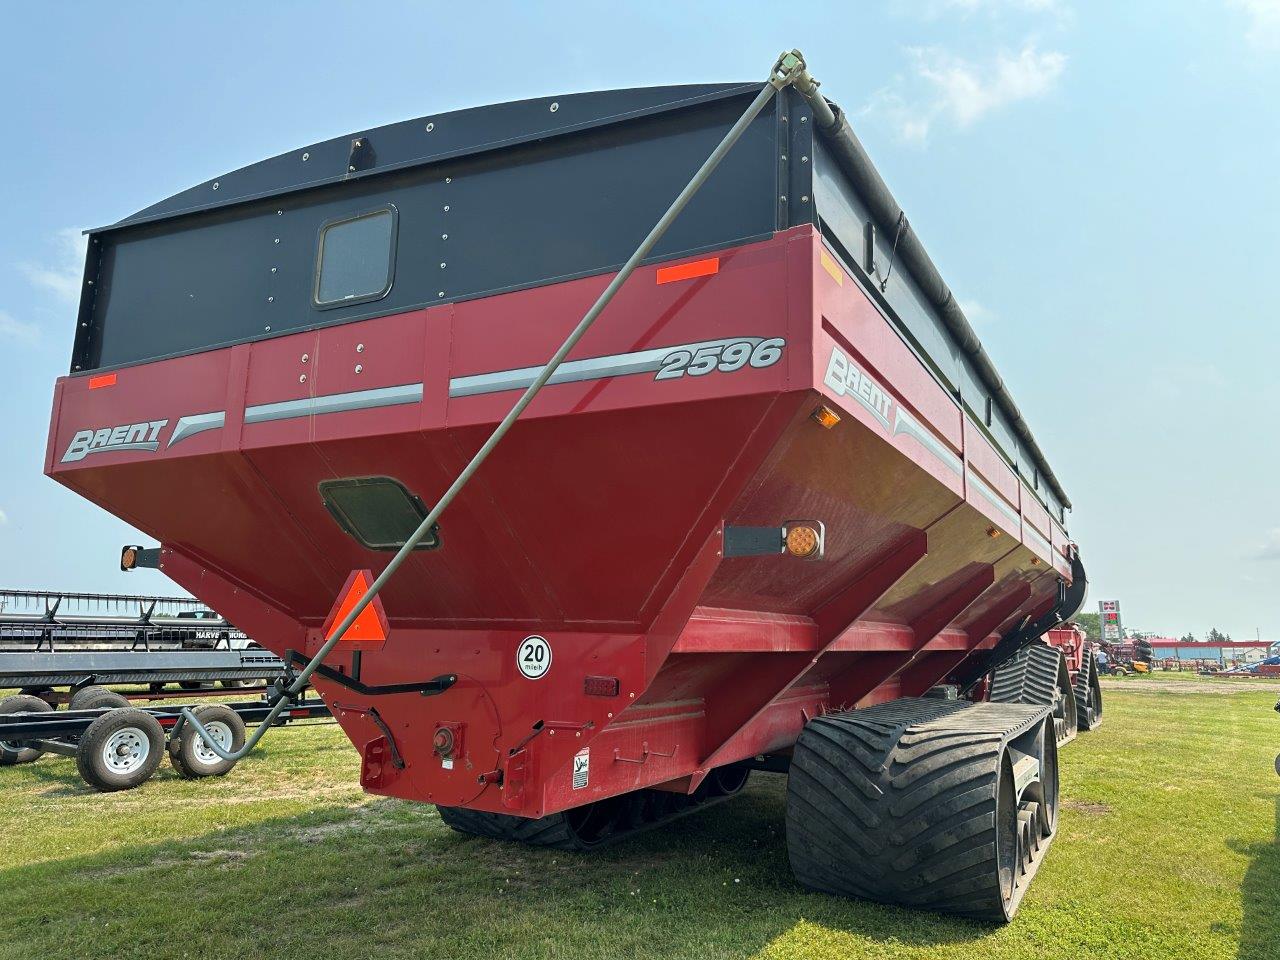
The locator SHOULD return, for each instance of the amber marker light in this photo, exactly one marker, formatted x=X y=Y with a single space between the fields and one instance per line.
x=993 y=533
x=824 y=416
x=804 y=539
x=128 y=558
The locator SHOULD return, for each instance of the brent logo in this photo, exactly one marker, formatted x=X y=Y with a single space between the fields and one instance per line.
x=127 y=436
x=845 y=379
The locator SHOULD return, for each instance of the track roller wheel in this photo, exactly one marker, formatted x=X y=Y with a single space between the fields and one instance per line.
x=120 y=750
x=942 y=805
x=601 y=823
x=12 y=754
x=1037 y=674
x=1088 y=693
x=191 y=756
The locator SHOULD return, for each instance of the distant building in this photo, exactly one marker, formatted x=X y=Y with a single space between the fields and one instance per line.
x=1240 y=651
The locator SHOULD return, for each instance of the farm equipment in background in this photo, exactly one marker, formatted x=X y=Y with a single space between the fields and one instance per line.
x=1132 y=656
x=772 y=511
x=1060 y=672
x=118 y=747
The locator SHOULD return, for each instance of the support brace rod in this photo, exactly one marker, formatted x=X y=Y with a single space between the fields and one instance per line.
x=789 y=69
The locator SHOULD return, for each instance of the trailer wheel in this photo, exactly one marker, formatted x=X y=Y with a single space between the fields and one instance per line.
x=120 y=750
x=191 y=756
x=922 y=805
x=95 y=698
x=15 y=753
x=47 y=694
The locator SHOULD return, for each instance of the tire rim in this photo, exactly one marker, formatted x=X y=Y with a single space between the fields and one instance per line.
x=8 y=746
x=126 y=750
x=203 y=754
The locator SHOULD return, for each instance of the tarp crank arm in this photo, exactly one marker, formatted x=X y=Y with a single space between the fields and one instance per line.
x=789 y=69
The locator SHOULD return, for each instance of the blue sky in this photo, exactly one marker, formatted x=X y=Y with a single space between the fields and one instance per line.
x=1097 y=182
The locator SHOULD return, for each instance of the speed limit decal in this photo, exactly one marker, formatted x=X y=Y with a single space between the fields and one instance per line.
x=533 y=657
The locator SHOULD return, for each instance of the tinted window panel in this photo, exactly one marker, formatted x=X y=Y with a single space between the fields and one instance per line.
x=355 y=259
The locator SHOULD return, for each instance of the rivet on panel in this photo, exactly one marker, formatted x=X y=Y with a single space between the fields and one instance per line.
x=215 y=184
x=306 y=357
x=359 y=348
x=306 y=157
x=443 y=265
x=271 y=299
x=555 y=107
x=359 y=368
x=302 y=378
x=444 y=236
x=446 y=208
x=430 y=127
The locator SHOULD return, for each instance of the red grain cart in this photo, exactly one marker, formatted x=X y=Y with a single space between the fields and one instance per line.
x=774 y=510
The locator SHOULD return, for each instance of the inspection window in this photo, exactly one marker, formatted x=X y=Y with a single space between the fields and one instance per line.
x=356 y=259
x=379 y=512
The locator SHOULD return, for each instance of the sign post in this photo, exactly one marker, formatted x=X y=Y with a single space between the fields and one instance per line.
x=1109 y=616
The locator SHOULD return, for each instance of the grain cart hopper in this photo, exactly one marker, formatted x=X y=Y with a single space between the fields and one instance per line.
x=772 y=499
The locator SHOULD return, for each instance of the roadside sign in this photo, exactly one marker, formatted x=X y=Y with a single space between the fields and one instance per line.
x=1109 y=615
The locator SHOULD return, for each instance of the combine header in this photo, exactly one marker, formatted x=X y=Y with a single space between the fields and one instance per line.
x=648 y=506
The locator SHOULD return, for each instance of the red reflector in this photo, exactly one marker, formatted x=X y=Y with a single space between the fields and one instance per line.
x=687 y=271
x=106 y=380
x=600 y=686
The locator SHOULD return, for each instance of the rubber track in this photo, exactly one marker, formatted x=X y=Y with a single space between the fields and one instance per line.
x=897 y=803
x=1084 y=679
x=1035 y=675
x=555 y=830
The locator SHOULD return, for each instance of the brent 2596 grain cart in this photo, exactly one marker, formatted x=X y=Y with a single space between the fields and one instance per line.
x=774 y=509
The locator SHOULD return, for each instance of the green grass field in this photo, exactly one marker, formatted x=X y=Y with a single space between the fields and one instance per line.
x=1167 y=849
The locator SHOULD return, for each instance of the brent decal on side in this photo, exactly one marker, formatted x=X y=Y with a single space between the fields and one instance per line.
x=845 y=379
x=126 y=436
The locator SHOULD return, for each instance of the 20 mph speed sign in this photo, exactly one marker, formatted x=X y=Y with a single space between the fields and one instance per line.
x=533 y=657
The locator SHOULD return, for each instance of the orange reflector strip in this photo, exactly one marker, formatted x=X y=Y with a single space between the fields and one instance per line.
x=832 y=268
x=687 y=271
x=106 y=380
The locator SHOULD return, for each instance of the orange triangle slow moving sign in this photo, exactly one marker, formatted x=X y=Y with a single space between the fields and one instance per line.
x=371 y=625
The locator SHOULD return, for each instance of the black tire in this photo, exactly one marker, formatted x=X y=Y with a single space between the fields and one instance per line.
x=47 y=694
x=120 y=750
x=96 y=698
x=237 y=684
x=191 y=758
x=1088 y=693
x=79 y=697
x=1037 y=674
x=915 y=805
x=12 y=754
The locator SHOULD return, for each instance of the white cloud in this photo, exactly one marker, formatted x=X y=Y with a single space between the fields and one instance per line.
x=963 y=92
x=978 y=315
x=968 y=92
x=17 y=330
x=1270 y=549
x=1264 y=22
x=63 y=274
x=4 y=518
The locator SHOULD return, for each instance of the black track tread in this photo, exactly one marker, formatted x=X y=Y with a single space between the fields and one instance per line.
x=897 y=803
x=1084 y=679
x=1035 y=674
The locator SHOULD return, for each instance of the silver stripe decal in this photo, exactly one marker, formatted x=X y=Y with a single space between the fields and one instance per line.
x=904 y=422
x=995 y=499
x=1035 y=535
x=334 y=403
x=196 y=423
x=575 y=371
